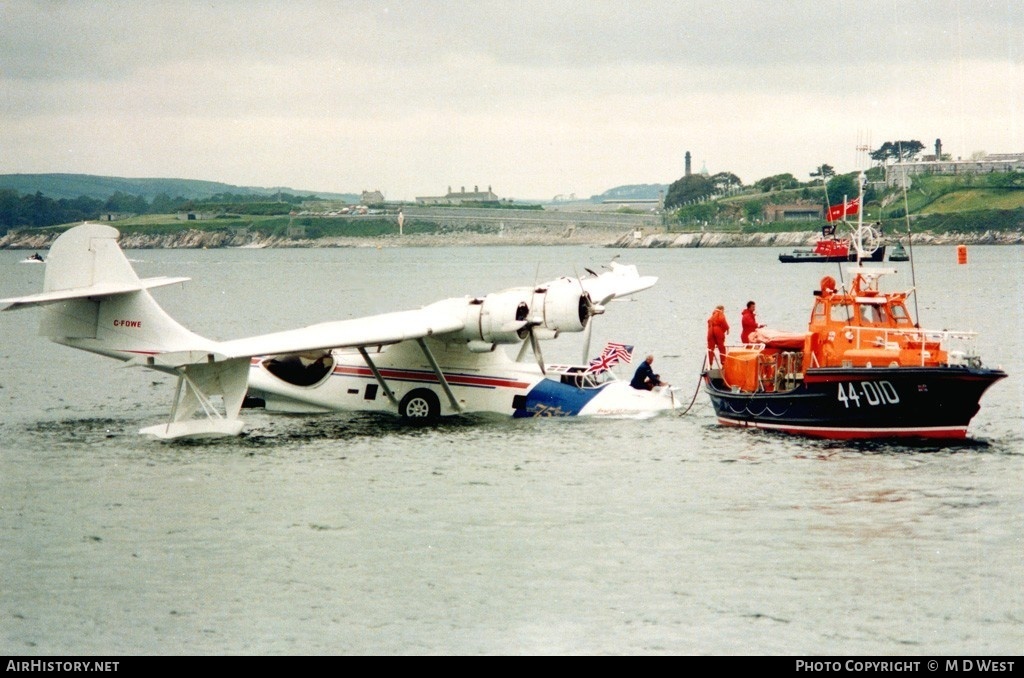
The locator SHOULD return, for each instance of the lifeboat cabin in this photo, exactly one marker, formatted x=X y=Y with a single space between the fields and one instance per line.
x=861 y=328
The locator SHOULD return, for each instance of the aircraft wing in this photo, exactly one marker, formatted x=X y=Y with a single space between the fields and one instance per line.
x=622 y=280
x=444 y=317
x=387 y=328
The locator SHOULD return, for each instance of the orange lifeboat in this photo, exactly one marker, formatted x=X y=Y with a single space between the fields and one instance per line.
x=863 y=369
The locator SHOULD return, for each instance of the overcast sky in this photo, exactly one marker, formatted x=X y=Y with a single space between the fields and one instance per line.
x=533 y=99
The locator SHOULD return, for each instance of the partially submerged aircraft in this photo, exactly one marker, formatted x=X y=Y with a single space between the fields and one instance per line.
x=443 y=359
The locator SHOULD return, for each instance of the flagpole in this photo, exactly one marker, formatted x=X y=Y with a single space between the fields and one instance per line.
x=859 y=244
x=839 y=264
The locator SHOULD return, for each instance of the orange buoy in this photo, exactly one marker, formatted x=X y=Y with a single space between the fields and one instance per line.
x=961 y=254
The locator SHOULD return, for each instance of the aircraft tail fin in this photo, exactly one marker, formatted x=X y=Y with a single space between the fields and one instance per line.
x=86 y=256
x=93 y=300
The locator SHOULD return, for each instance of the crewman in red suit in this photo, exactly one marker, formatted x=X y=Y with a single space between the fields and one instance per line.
x=718 y=327
x=749 y=320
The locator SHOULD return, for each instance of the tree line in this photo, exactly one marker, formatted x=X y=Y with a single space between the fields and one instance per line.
x=27 y=211
x=686 y=195
x=696 y=188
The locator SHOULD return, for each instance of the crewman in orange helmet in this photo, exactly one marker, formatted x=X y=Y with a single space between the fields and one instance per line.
x=718 y=327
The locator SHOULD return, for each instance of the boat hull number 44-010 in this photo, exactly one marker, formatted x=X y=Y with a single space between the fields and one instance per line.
x=873 y=392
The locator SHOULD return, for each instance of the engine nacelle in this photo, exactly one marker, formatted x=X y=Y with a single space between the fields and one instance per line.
x=475 y=346
x=507 y=317
x=561 y=306
x=498 y=318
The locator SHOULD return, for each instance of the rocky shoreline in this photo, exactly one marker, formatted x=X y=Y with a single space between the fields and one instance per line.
x=790 y=240
x=535 y=236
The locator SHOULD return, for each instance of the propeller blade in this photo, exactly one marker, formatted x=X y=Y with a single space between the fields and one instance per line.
x=515 y=326
x=536 y=352
x=522 y=349
x=592 y=310
x=586 y=341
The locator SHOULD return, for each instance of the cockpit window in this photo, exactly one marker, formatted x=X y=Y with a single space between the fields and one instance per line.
x=841 y=313
x=818 y=313
x=300 y=370
x=900 y=315
x=872 y=314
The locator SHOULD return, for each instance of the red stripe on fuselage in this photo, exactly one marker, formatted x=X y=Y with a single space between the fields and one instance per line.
x=419 y=376
x=428 y=376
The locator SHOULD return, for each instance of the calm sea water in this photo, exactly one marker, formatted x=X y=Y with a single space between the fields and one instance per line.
x=350 y=534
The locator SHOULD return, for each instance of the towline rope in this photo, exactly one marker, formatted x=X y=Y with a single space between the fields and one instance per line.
x=700 y=378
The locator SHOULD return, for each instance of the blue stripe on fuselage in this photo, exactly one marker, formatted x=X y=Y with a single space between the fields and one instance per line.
x=550 y=398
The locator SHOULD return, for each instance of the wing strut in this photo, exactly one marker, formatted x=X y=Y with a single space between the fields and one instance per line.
x=377 y=376
x=440 y=375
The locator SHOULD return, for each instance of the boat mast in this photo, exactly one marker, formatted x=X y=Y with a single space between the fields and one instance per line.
x=858 y=241
x=843 y=261
x=910 y=242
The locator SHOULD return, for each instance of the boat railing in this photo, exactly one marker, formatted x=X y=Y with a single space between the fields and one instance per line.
x=582 y=376
x=955 y=342
x=790 y=370
x=750 y=368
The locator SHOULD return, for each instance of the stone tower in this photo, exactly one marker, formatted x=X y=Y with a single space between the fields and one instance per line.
x=687 y=172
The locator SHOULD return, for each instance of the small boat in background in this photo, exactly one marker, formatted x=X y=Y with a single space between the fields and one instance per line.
x=830 y=250
x=34 y=259
x=899 y=253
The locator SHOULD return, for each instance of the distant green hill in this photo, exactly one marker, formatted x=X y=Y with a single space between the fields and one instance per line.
x=947 y=203
x=70 y=186
x=632 y=192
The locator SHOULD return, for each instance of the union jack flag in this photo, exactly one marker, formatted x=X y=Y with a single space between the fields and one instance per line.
x=613 y=353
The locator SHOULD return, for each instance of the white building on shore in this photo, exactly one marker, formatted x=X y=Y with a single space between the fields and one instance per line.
x=898 y=174
x=461 y=197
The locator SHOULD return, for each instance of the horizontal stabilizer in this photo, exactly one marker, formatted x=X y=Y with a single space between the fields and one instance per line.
x=103 y=289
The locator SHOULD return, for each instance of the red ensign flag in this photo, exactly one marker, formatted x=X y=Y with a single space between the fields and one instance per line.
x=837 y=211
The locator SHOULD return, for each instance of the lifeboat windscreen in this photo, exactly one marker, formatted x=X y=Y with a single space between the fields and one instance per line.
x=872 y=314
x=900 y=314
x=842 y=312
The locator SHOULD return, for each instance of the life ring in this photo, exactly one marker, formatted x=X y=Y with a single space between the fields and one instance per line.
x=828 y=285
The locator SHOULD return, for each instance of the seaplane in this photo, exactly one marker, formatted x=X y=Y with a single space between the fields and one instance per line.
x=447 y=358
